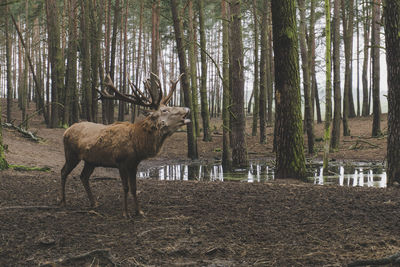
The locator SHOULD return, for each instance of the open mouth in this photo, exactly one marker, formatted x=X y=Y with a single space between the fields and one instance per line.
x=186 y=119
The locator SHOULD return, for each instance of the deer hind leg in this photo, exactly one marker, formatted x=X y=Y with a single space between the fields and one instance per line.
x=124 y=178
x=69 y=165
x=86 y=172
x=132 y=185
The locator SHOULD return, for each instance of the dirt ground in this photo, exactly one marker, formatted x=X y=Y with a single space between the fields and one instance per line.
x=192 y=223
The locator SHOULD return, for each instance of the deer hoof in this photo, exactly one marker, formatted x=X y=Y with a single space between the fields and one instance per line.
x=62 y=203
x=140 y=213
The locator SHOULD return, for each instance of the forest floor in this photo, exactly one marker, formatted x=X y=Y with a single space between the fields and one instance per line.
x=193 y=223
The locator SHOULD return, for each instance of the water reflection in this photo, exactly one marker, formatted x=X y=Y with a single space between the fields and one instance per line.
x=255 y=173
x=351 y=176
x=356 y=174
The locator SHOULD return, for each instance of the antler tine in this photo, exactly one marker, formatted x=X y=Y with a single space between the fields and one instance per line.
x=119 y=96
x=138 y=93
x=158 y=83
x=147 y=87
x=173 y=88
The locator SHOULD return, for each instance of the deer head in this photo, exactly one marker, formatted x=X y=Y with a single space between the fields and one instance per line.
x=160 y=117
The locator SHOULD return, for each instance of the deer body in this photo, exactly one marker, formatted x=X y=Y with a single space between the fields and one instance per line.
x=110 y=146
x=121 y=145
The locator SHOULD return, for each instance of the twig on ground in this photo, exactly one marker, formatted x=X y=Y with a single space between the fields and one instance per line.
x=395 y=259
x=25 y=133
x=28 y=208
x=355 y=146
x=103 y=254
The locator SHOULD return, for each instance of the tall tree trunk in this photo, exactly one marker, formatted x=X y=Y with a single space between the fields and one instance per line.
x=117 y=14
x=24 y=85
x=358 y=58
x=205 y=115
x=328 y=94
x=56 y=61
x=309 y=120
x=311 y=56
x=192 y=66
x=347 y=17
x=263 y=72
x=226 y=149
x=336 y=77
x=155 y=43
x=238 y=141
x=364 y=76
x=124 y=59
x=96 y=15
x=86 y=62
x=290 y=160
x=350 y=33
x=270 y=63
x=191 y=137
x=376 y=107
x=392 y=29
x=256 y=62
x=35 y=79
x=71 y=94
x=8 y=64
x=139 y=50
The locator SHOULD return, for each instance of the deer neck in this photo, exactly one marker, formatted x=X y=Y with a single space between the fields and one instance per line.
x=151 y=139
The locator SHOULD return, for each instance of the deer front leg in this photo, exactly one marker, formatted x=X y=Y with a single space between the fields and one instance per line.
x=132 y=184
x=123 y=172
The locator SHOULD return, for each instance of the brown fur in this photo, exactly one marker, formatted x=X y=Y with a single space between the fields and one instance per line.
x=121 y=145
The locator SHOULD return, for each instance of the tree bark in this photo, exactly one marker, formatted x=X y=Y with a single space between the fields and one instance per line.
x=155 y=43
x=96 y=15
x=311 y=55
x=376 y=104
x=290 y=160
x=263 y=73
x=191 y=137
x=8 y=64
x=328 y=94
x=336 y=77
x=117 y=14
x=86 y=62
x=205 y=115
x=364 y=76
x=238 y=141
x=347 y=18
x=392 y=29
x=256 y=77
x=309 y=120
x=226 y=149
x=193 y=68
x=71 y=92
x=56 y=61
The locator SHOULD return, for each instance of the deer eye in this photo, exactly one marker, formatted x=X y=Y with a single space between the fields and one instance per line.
x=165 y=110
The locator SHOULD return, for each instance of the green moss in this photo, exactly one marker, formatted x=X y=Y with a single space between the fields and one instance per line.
x=26 y=168
x=3 y=164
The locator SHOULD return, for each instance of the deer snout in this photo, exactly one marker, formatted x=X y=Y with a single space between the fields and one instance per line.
x=185 y=117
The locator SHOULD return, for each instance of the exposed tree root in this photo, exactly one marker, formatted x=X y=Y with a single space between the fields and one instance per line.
x=102 y=257
x=393 y=259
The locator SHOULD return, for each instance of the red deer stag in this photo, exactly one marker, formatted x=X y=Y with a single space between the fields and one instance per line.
x=122 y=145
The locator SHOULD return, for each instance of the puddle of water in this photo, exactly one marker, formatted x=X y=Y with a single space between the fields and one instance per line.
x=256 y=172
x=355 y=174
x=352 y=176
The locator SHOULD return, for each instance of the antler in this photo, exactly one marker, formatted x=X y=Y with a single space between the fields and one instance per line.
x=165 y=100
x=139 y=97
